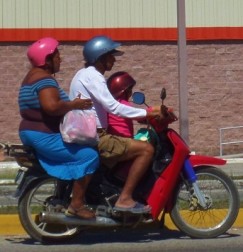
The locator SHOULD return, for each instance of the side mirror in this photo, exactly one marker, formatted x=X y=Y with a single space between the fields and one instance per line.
x=163 y=94
x=138 y=98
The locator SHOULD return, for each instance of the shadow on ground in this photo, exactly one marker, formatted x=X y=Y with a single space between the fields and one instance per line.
x=102 y=236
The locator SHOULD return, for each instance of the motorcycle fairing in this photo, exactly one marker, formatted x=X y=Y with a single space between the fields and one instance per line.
x=166 y=182
x=164 y=185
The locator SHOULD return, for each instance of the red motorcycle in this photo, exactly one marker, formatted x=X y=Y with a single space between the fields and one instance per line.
x=201 y=199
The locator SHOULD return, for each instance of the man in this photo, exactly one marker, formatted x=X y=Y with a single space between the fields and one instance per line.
x=89 y=82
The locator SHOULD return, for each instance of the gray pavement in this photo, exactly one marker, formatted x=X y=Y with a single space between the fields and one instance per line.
x=233 y=167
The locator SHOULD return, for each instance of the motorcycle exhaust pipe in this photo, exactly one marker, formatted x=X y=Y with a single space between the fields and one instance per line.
x=61 y=218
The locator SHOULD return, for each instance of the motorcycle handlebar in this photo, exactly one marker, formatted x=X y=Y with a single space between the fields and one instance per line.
x=160 y=123
x=169 y=114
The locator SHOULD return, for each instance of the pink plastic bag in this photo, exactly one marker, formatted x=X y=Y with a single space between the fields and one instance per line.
x=79 y=126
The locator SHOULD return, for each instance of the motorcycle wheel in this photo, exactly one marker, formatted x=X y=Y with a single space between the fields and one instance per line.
x=32 y=203
x=222 y=199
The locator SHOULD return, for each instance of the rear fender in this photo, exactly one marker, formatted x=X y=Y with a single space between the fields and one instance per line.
x=27 y=182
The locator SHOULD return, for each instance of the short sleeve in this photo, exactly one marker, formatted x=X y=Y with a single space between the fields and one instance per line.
x=46 y=83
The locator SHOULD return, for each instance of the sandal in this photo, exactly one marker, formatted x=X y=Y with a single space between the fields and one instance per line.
x=138 y=208
x=83 y=212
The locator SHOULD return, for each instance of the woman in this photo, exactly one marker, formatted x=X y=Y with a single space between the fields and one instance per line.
x=42 y=104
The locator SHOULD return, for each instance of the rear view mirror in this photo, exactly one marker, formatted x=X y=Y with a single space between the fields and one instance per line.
x=163 y=94
x=138 y=98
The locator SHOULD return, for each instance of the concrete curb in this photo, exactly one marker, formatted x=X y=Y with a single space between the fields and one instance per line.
x=9 y=165
x=10 y=224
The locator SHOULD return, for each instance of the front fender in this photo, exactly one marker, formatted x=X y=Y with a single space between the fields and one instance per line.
x=197 y=160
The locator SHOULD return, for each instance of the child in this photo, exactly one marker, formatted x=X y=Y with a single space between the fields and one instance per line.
x=120 y=85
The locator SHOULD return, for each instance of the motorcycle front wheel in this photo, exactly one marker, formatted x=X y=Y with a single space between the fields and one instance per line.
x=222 y=204
x=38 y=198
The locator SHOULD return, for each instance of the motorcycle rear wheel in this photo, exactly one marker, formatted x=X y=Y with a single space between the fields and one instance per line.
x=32 y=203
x=222 y=200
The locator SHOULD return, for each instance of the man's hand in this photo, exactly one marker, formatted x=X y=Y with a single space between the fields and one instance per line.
x=154 y=111
x=161 y=113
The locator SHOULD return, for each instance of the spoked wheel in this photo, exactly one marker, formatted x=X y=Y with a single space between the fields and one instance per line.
x=42 y=197
x=222 y=205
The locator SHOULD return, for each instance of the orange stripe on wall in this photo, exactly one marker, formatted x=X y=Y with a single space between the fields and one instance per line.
x=82 y=34
x=121 y=34
x=215 y=33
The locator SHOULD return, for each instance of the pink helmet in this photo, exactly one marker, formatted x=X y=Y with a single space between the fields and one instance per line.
x=38 y=51
x=119 y=82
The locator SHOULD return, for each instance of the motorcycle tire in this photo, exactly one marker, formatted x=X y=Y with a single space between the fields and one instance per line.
x=35 y=200
x=222 y=199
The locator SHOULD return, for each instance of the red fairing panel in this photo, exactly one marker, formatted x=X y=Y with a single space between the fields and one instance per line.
x=197 y=160
x=163 y=188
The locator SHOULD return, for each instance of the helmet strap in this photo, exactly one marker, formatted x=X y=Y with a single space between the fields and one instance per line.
x=49 y=66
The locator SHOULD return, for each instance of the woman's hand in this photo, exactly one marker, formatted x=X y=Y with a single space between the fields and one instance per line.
x=52 y=104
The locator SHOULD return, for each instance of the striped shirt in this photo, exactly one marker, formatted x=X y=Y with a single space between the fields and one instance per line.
x=33 y=116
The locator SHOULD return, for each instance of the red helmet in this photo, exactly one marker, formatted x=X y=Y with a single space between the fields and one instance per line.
x=119 y=82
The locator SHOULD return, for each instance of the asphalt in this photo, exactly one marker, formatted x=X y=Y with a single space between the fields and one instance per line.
x=10 y=225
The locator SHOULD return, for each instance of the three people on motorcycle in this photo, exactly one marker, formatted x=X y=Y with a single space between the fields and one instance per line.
x=99 y=54
x=42 y=105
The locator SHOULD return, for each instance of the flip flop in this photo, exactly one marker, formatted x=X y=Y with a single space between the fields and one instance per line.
x=83 y=212
x=138 y=208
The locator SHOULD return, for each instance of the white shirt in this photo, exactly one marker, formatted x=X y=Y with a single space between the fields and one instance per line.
x=91 y=84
